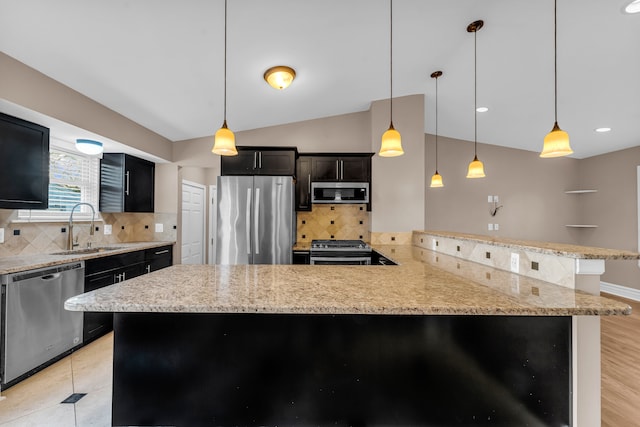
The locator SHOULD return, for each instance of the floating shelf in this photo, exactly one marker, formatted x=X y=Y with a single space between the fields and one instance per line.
x=580 y=191
x=581 y=226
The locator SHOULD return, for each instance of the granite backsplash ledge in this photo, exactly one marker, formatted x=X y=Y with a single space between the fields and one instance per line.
x=25 y=238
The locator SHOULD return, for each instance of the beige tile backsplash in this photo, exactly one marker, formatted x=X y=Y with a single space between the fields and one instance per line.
x=44 y=237
x=338 y=221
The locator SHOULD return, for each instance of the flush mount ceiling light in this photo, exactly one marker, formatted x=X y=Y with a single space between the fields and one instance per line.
x=633 y=7
x=280 y=77
x=556 y=143
x=89 y=146
x=436 y=179
x=603 y=130
x=482 y=109
x=225 y=141
x=391 y=141
x=476 y=168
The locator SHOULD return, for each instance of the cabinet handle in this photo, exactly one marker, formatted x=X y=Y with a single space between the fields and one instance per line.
x=162 y=252
x=341 y=169
x=338 y=169
x=309 y=183
x=260 y=159
x=255 y=160
x=126 y=191
x=148 y=269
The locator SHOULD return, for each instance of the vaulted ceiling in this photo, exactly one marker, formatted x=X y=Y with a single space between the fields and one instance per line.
x=160 y=63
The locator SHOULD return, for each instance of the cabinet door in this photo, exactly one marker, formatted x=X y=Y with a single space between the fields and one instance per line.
x=139 y=185
x=96 y=324
x=355 y=169
x=158 y=258
x=325 y=168
x=276 y=162
x=303 y=183
x=245 y=163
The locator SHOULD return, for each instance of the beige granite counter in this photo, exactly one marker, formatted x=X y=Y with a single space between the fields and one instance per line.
x=561 y=249
x=18 y=263
x=425 y=282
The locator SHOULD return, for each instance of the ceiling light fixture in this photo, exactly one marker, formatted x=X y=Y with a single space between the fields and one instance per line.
x=556 y=143
x=436 y=179
x=280 y=77
x=225 y=141
x=482 y=109
x=476 y=168
x=603 y=130
x=391 y=141
x=89 y=146
x=633 y=7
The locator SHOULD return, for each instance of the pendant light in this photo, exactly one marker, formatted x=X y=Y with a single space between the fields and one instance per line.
x=476 y=168
x=225 y=141
x=436 y=179
x=391 y=141
x=556 y=143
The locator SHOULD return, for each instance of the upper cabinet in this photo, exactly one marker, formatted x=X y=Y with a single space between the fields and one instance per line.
x=348 y=167
x=260 y=161
x=126 y=183
x=303 y=183
x=24 y=164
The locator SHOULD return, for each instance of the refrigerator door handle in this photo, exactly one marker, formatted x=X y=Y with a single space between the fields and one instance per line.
x=248 y=221
x=256 y=219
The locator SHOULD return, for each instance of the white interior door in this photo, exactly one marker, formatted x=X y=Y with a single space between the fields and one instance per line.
x=193 y=223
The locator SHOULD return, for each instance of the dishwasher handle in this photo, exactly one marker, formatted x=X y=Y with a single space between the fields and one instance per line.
x=50 y=277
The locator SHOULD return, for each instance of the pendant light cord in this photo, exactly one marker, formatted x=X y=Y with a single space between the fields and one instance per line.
x=225 y=61
x=555 y=56
x=436 y=124
x=391 y=60
x=475 y=95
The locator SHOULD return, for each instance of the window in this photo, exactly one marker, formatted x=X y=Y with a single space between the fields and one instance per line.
x=73 y=178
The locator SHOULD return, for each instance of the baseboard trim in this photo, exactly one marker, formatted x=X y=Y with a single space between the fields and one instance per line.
x=621 y=291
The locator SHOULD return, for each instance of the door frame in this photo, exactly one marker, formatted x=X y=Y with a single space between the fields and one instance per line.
x=204 y=216
x=213 y=226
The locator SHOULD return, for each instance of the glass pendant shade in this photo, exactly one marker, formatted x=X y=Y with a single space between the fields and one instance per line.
x=436 y=180
x=224 y=142
x=280 y=77
x=476 y=169
x=556 y=143
x=391 y=143
x=89 y=146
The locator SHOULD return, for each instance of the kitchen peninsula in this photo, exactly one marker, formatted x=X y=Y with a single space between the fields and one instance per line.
x=436 y=340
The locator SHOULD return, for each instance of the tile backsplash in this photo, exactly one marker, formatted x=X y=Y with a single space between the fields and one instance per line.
x=24 y=238
x=340 y=221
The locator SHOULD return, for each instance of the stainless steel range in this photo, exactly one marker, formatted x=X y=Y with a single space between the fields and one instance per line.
x=340 y=252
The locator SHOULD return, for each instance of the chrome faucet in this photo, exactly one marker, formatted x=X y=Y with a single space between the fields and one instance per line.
x=70 y=243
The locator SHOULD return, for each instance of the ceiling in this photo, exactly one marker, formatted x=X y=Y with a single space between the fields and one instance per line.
x=160 y=63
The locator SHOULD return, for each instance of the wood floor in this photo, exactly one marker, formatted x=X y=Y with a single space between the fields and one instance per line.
x=620 y=338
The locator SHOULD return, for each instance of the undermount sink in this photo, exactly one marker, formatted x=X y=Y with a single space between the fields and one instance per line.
x=87 y=250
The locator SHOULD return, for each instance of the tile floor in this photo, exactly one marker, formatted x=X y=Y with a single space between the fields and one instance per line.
x=36 y=400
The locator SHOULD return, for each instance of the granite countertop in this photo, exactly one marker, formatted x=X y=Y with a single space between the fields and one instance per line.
x=425 y=282
x=14 y=264
x=560 y=249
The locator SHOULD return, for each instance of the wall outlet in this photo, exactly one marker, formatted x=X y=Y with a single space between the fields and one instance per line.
x=490 y=227
x=515 y=263
x=1 y=235
x=496 y=199
x=490 y=199
x=107 y=229
x=496 y=227
x=159 y=228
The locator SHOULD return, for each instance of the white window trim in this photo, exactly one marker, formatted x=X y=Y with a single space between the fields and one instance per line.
x=36 y=215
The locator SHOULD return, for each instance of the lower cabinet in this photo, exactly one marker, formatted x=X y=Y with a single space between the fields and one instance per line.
x=105 y=271
x=301 y=257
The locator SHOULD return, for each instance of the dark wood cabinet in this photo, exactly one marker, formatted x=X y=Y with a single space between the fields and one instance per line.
x=303 y=183
x=105 y=271
x=126 y=183
x=260 y=161
x=301 y=257
x=24 y=164
x=351 y=167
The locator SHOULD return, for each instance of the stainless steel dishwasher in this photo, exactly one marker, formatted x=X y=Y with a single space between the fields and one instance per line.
x=37 y=328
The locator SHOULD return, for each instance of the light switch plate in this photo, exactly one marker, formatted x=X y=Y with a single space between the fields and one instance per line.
x=490 y=227
x=490 y=199
x=159 y=228
x=107 y=229
x=515 y=262
x=496 y=227
x=1 y=235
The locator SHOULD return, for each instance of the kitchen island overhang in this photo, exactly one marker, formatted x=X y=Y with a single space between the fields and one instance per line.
x=260 y=345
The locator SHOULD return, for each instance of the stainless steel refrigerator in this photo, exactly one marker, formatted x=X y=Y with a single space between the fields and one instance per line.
x=256 y=220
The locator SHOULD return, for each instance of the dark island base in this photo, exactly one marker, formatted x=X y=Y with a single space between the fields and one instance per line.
x=344 y=370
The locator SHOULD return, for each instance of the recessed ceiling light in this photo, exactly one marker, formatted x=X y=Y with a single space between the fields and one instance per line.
x=482 y=109
x=602 y=130
x=633 y=7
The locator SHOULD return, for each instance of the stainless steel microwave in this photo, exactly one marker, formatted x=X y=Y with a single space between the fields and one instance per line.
x=340 y=192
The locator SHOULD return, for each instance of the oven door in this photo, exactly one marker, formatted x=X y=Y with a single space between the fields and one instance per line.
x=340 y=260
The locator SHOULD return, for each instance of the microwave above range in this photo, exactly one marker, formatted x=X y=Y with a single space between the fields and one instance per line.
x=340 y=192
